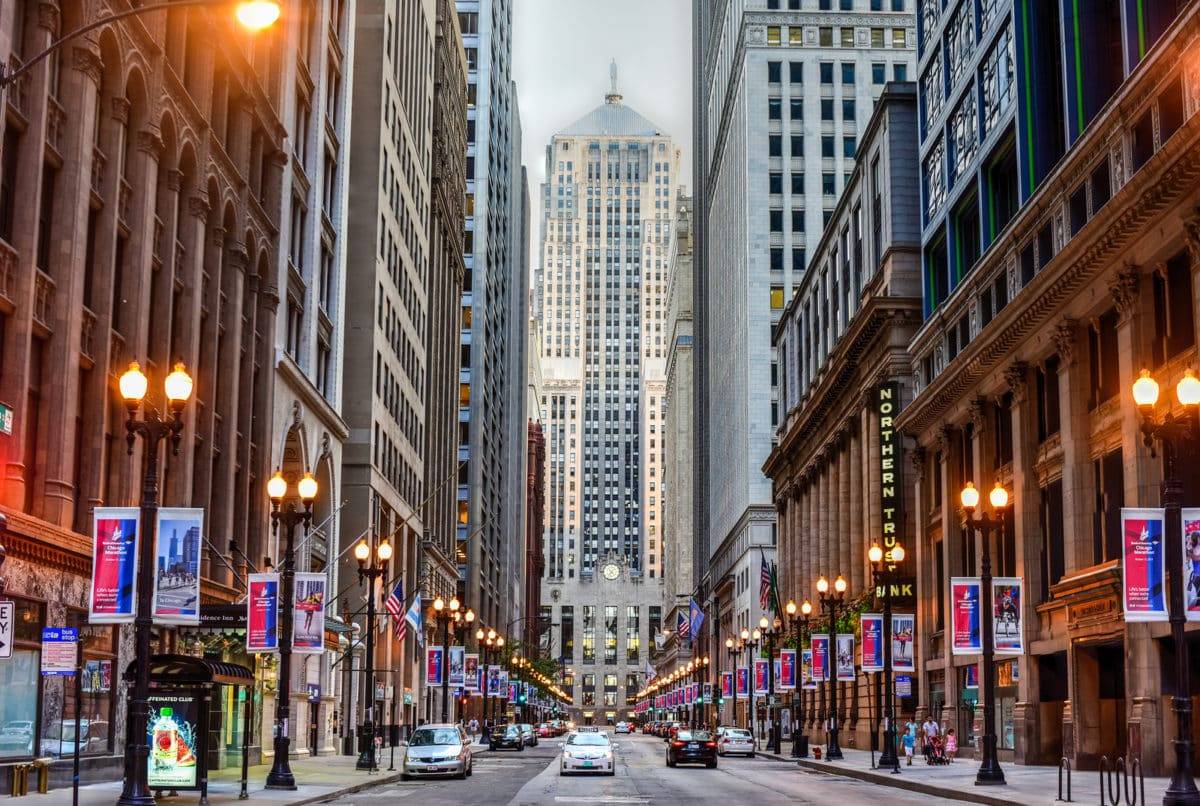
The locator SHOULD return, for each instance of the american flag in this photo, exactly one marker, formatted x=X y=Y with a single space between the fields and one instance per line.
x=395 y=607
x=764 y=584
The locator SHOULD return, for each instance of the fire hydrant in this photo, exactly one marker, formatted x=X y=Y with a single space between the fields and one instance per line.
x=817 y=753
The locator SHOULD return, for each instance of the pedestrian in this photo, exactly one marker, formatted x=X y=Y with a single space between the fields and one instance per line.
x=473 y=727
x=910 y=739
x=930 y=730
x=951 y=744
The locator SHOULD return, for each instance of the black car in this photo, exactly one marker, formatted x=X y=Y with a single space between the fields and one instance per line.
x=506 y=736
x=692 y=747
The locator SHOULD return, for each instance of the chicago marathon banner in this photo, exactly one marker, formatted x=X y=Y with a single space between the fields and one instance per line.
x=726 y=684
x=435 y=665
x=845 y=657
x=806 y=670
x=177 y=567
x=872 y=642
x=967 y=637
x=1191 y=564
x=471 y=672
x=262 y=613
x=820 y=657
x=308 y=614
x=743 y=681
x=787 y=670
x=1144 y=564
x=903 y=633
x=1006 y=616
x=760 y=676
x=457 y=670
x=114 y=565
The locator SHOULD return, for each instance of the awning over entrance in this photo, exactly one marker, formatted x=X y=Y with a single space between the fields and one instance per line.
x=190 y=670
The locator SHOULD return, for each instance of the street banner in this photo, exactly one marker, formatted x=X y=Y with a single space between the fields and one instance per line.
x=114 y=565
x=471 y=672
x=1144 y=565
x=972 y=677
x=872 y=642
x=820 y=657
x=845 y=657
x=778 y=672
x=177 y=567
x=308 y=614
x=457 y=658
x=806 y=670
x=726 y=684
x=262 y=613
x=706 y=693
x=503 y=681
x=1191 y=563
x=434 y=665
x=904 y=630
x=967 y=636
x=1006 y=616
x=743 y=681
x=787 y=670
x=512 y=692
x=760 y=676
x=493 y=681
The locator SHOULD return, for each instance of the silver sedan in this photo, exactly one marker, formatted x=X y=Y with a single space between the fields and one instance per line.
x=587 y=752
x=436 y=750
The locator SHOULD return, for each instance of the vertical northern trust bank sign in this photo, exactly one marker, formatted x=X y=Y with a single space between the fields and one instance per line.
x=891 y=488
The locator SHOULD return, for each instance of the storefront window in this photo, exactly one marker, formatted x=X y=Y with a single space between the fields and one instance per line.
x=968 y=690
x=1006 y=698
x=19 y=682
x=95 y=704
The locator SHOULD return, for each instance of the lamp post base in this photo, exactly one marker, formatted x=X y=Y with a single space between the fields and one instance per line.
x=888 y=759
x=136 y=800
x=833 y=752
x=280 y=776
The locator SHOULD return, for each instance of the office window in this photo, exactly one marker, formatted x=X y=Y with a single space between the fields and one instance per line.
x=847 y=37
x=796 y=72
x=776 y=260
x=848 y=147
x=878 y=73
x=777 y=221
x=1103 y=365
x=848 y=73
x=828 y=188
x=797 y=145
x=1109 y=477
x=776 y=297
x=848 y=109
x=799 y=260
x=876 y=37
x=826 y=70
x=826 y=109
x=773 y=71
x=773 y=34
x=825 y=37
x=827 y=145
x=900 y=72
x=774 y=109
x=796 y=109
x=1047 y=400
x=797 y=183
x=775 y=145
x=610 y=635
x=898 y=38
x=775 y=183
x=798 y=220
x=589 y=635
x=566 y=634
x=1174 y=325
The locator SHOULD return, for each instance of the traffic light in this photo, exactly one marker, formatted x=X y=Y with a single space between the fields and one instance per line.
x=720 y=700
x=521 y=698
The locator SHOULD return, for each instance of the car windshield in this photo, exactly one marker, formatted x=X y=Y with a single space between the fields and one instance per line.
x=592 y=739
x=512 y=730
x=694 y=736
x=426 y=737
x=527 y=728
x=741 y=734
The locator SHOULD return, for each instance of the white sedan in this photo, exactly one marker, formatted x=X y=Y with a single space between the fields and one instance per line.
x=735 y=740
x=587 y=752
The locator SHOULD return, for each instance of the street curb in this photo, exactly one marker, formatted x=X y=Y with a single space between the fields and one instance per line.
x=350 y=790
x=896 y=782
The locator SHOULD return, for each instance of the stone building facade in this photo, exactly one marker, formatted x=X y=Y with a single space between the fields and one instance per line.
x=140 y=209
x=1077 y=271
x=843 y=337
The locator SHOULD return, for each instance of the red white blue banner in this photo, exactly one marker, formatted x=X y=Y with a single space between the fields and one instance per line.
x=1191 y=564
x=872 y=642
x=726 y=684
x=743 y=681
x=1007 y=602
x=308 y=615
x=820 y=657
x=760 y=676
x=471 y=672
x=262 y=613
x=114 y=565
x=435 y=665
x=967 y=634
x=177 y=566
x=457 y=667
x=845 y=657
x=787 y=670
x=806 y=669
x=904 y=630
x=1144 y=564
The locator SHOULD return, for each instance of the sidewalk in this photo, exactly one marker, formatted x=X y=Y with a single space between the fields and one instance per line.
x=1026 y=784
x=320 y=778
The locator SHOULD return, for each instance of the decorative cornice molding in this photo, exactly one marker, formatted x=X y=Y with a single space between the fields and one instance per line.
x=87 y=61
x=1123 y=286
x=1065 y=336
x=1016 y=375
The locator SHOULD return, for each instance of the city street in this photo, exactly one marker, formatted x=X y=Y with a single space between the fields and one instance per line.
x=531 y=777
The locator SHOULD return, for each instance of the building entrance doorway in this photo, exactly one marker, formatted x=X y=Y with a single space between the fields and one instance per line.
x=1099 y=707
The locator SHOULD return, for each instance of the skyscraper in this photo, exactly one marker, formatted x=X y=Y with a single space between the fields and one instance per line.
x=492 y=424
x=606 y=229
x=776 y=136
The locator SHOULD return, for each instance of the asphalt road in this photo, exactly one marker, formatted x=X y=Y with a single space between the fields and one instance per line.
x=643 y=779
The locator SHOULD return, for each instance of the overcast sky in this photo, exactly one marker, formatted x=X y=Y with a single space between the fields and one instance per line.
x=561 y=53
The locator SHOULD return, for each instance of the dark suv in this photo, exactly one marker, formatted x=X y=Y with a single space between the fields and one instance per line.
x=506 y=736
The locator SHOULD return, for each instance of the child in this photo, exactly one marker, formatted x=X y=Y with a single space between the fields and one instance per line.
x=910 y=740
x=951 y=745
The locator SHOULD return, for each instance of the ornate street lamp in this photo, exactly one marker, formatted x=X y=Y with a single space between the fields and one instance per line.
x=990 y=773
x=450 y=617
x=832 y=602
x=799 y=623
x=883 y=577
x=771 y=632
x=152 y=428
x=1176 y=433
x=751 y=641
x=373 y=558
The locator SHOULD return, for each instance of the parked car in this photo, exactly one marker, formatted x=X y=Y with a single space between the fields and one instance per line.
x=58 y=739
x=692 y=747
x=16 y=738
x=623 y=727
x=647 y=727
x=529 y=735
x=435 y=750
x=672 y=729
x=735 y=740
x=587 y=752
x=506 y=736
x=544 y=730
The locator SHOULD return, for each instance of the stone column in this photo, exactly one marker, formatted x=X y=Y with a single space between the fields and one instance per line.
x=859 y=579
x=1078 y=482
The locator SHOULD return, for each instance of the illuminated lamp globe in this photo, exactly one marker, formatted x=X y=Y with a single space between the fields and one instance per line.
x=362 y=551
x=500 y=641
x=822 y=585
x=998 y=496
x=969 y=497
x=757 y=635
x=439 y=604
x=875 y=554
x=491 y=634
x=839 y=584
x=898 y=553
x=479 y=634
x=806 y=607
x=133 y=384
x=307 y=487
x=763 y=623
x=257 y=15
x=745 y=634
x=1188 y=389
x=1145 y=390
x=178 y=384
x=454 y=604
x=276 y=487
x=470 y=615
x=790 y=607
x=384 y=551
x=729 y=643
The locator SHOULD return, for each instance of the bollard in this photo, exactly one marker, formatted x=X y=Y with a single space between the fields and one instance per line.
x=20 y=780
x=1064 y=763
x=42 y=765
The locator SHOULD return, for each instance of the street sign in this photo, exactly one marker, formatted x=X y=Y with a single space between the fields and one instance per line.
x=58 y=650
x=6 y=419
x=903 y=685
x=6 y=629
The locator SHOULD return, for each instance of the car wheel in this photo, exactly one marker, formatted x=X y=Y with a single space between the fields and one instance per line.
x=491 y=747
x=712 y=765
x=461 y=775
x=521 y=747
x=749 y=755
x=611 y=773
x=471 y=769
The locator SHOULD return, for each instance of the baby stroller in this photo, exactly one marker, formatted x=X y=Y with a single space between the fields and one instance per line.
x=936 y=751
